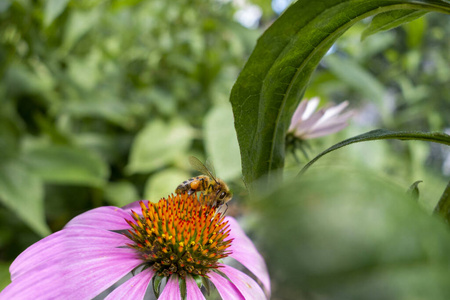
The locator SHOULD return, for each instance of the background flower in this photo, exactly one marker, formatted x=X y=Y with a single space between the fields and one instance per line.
x=307 y=123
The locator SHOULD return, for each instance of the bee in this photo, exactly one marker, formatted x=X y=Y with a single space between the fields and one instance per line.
x=215 y=190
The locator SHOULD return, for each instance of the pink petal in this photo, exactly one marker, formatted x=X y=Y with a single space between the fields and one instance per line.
x=245 y=252
x=171 y=290
x=52 y=244
x=90 y=274
x=325 y=130
x=106 y=217
x=246 y=285
x=133 y=206
x=334 y=110
x=311 y=106
x=48 y=285
x=225 y=288
x=80 y=276
x=335 y=120
x=79 y=262
x=305 y=126
x=192 y=290
x=57 y=246
x=297 y=117
x=134 y=288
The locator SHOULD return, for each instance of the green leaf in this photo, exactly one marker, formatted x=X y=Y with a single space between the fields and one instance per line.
x=164 y=183
x=4 y=275
x=20 y=80
x=391 y=19
x=182 y=285
x=110 y=109
x=156 y=284
x=415 y=31
x=121 y=193
x=79 y=23
x=53 y=8
x=221 y=142
x=205 y=283
x=4 y=6
x=356 y=76
x=9 y=136
x=413 y=190
x=275 y=77
x=198 y=280
x=443 y=206
x=23 y=193
x=61 y=164
x=158 y=144
x=349 y=233
x=383 y=134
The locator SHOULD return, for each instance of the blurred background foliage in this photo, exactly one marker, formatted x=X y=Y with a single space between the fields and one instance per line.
x=102 y=102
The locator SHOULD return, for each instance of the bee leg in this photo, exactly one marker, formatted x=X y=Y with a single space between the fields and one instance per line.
x=218 y=208
x=226 y=204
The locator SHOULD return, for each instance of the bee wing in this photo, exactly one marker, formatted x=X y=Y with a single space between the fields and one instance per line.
x=209 y=165
x=199 y=166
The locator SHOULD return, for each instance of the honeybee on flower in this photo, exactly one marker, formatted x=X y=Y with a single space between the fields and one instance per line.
x=215 y=190
x=125 y=253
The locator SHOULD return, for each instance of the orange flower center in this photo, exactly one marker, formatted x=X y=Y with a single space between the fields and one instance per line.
x=179 y=235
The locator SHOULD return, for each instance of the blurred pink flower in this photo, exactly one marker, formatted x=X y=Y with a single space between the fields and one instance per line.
x=178 y=239
x=307 y=123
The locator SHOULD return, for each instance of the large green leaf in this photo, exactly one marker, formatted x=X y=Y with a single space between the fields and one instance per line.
x=63 y=164
x=79 y=23
x=121 y=193
x=443 y=206
x=275 y=77
x=23 y=193
x=53 y=8
x=391 y=19
x=221 y=142
x=158 y=144
x=164 y=183
x=383 y=134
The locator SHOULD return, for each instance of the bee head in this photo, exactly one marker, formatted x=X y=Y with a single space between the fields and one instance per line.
x=223 y=193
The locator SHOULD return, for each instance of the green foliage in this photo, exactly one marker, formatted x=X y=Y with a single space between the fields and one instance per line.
x=121 y=193
x=100 y=97
x=158 y=144
x=413 y=190
x=22 y=192
x=355 y=237
x=164 y=183
x=102 y=102
x=156 y=284
x=443 y=206
x=341 y=232
x=53 y=8
x=381 y=134
x=61 y=164
x=391 y=19
x=275 y=77
x=350 y=72
x=221 y=142
x=4 y=275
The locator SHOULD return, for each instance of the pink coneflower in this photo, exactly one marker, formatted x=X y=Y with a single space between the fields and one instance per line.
x=306 y=123
x=178 y=241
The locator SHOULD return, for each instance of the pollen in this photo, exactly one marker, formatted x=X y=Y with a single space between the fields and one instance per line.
x=195 y=184
x=179 y=235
